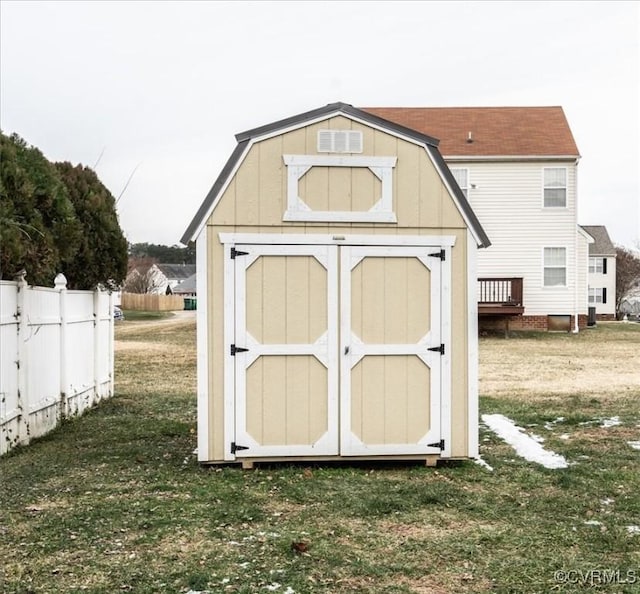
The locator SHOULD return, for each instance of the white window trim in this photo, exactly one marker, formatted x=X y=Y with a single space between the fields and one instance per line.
x=465 y=189
x=566 y=267
x=596 y=292
x=596 y=261
x=381 y=167
x=566 y=189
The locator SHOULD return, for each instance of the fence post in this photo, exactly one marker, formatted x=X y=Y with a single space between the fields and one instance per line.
x=60 y=284
x=111 y=347
x=23 y=397
x=96 y=346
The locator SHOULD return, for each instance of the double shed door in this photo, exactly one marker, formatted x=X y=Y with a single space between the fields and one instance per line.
x=337 y=350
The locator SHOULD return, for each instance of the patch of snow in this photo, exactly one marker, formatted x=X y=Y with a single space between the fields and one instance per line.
x=633 y=529
x=480 y=462
x=272 y=587
x=564 y=436
x=606 y=501
x=634 y=444
x=612 y=422
x=593 y=523
x=524 y=445
x=549 y=424
x=289 y=590
x=198 y=592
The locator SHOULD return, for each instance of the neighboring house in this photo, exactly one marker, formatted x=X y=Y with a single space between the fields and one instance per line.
x=518 y=168
x=187 y=287
x=159 y=279
x=337 y=310
x=602 y=273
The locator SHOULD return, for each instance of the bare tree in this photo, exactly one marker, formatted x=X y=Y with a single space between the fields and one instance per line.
x=142 y=276
x=627 y=273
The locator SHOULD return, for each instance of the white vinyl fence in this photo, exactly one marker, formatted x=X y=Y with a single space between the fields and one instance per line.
x=56 y=357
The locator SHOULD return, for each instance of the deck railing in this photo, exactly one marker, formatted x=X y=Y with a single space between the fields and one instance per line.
x=500 y=291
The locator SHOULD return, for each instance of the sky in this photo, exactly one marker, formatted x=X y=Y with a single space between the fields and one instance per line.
x=150 y=94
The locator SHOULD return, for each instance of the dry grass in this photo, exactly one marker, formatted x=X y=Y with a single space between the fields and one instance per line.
x=114 y=501
x=533 y=368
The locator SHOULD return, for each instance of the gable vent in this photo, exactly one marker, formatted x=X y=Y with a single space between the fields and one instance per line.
x=339 y=141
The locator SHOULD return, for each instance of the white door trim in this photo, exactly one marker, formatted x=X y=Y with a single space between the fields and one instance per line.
x=337 y=239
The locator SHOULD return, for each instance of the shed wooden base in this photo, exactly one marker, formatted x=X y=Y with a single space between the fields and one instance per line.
x=250 y=463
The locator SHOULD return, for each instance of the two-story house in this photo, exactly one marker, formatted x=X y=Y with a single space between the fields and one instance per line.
x=518 y=168
x=602 y=273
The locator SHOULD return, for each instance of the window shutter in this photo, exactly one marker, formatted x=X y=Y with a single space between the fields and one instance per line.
x=604 y=266
x=604 y=295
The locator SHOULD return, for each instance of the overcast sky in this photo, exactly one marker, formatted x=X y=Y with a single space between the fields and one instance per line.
x=159 y=89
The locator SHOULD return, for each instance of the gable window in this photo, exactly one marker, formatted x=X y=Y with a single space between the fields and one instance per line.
x=462 y=179
x=555 y=267
x=598 y=295
x=598 y=265
x=555 y=187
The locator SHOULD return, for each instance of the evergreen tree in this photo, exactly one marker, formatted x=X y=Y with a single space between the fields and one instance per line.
x=38 y=225
x=101 y=256
x=56 y=218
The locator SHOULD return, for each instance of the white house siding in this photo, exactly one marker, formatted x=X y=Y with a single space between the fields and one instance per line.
x=507 y=198
x=598 y=280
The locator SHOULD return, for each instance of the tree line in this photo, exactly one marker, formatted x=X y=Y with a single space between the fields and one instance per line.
x=57 y=217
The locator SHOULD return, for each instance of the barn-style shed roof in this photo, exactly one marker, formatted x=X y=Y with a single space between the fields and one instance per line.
x=245 y=139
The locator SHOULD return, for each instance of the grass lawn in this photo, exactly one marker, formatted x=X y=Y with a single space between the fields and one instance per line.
x=115 y=501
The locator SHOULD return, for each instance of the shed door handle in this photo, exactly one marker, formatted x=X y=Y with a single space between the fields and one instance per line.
x=346 y=350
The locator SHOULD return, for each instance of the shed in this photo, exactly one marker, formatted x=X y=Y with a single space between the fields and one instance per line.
x=337 y=314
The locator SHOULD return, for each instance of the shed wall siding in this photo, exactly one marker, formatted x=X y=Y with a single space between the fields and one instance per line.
x=508 y=201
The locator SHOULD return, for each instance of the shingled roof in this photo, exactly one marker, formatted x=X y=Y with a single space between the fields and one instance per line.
x=602 y=245
x=493 y=131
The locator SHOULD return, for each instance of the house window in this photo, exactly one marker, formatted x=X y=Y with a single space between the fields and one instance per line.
x=462 y=179
x=555 y=267
x=597 y=295
x=555 y=187
x=598 y=265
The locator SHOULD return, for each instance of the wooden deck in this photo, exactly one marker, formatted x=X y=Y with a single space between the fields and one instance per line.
x=500 y=298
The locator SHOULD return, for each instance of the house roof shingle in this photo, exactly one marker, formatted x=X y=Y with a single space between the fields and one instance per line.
x=602 y=245
x=177 y=271
x=495 y=131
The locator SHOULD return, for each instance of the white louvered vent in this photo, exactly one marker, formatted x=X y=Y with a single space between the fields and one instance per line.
x=339 y=141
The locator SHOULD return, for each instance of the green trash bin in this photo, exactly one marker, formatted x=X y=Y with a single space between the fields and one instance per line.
x=189 y=303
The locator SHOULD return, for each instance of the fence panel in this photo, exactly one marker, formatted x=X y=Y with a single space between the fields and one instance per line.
x=40 y=353
x=56 y=357
x=151 y=302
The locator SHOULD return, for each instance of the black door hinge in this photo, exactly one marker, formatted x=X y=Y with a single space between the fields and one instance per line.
x=439 y=349
x=236 y=448
x=235 y=252
x=439 y=254
x=437 y=444
x=235 y=349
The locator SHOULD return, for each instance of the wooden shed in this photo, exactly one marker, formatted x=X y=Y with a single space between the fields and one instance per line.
x=337 y=304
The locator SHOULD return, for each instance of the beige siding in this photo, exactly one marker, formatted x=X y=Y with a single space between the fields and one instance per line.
x=388 y=400
x=287 y=403
x=257 y=194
